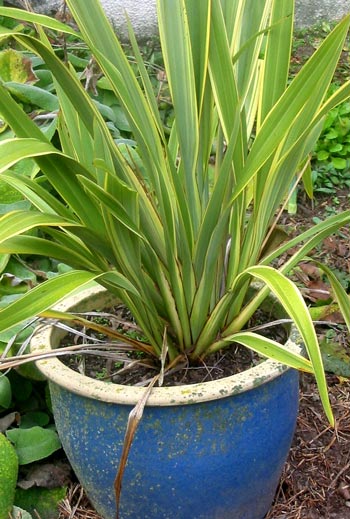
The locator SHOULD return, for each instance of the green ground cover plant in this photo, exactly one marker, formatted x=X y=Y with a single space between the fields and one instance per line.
x=330 y=158
x=332 y=152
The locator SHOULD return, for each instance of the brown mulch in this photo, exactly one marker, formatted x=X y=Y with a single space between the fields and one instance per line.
x=315 y=483
x=76 y=505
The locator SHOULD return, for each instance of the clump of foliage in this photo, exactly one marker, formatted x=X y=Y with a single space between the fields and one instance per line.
x=331 y=159
x=330 y=162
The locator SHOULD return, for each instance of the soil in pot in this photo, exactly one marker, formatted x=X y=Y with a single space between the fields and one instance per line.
x=134 y=368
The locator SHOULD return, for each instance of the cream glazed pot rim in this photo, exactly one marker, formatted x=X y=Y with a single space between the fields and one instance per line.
x=62 y=375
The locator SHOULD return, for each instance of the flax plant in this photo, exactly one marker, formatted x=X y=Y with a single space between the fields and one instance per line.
x=179 y=226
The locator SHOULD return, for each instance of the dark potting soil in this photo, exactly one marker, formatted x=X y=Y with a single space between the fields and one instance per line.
x=137 y=368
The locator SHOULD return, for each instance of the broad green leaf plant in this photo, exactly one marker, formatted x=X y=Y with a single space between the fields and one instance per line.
x=178 y=226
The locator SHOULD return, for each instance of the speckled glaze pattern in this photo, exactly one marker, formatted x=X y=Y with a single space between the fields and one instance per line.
x=212 y=453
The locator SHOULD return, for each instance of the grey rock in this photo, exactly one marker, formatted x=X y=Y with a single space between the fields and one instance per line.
x=142 y=14
x=39 y=6
x=310 y=12
x=143 y=17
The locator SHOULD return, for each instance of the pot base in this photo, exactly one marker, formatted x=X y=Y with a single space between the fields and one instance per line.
x=213 y=460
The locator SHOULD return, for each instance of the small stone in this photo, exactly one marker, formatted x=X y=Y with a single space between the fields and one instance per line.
x=344 y=491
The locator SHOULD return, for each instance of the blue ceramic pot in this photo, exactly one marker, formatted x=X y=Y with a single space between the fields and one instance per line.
x=208 y=451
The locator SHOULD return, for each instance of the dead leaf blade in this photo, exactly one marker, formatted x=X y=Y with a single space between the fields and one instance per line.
x=134 y=419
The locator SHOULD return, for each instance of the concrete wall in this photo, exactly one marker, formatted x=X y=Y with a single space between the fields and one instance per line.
x=142 y=14
x=309 y=12
x=143 y=18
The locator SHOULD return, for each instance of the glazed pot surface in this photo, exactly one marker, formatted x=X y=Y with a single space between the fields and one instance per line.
x=213 y=460
x=212 y=450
